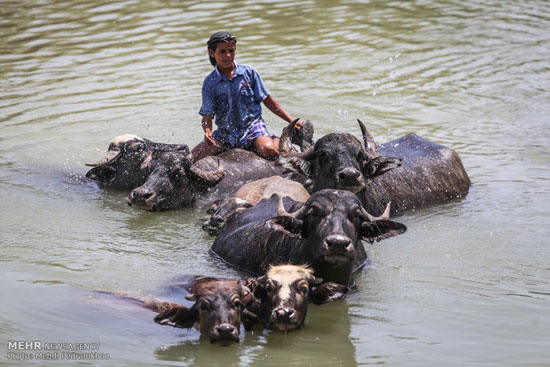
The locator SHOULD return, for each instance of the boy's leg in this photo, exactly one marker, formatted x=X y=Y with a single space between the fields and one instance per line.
x=266 y=147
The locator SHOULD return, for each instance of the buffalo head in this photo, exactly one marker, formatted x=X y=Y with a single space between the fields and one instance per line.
x=219 y=307
x=338 y=161
x=173 y=182
x=284 y=295
x=331 y=225
x=125 y=165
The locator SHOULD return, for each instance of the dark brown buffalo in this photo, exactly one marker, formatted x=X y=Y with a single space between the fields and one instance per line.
x=219 y=307
x=325 y=232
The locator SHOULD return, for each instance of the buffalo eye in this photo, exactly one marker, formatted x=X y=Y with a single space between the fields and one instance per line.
x=323 y=157
x=177 y=173
x=354 y=213
x=212 y=209
x=304 y=289
x=204 y=305
x=360 y=157
x=268 y=288
x=316 y=211
x=237 y=303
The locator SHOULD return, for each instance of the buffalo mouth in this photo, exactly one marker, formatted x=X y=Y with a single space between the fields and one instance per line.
x=339 y=249
x=285 y=326
x=104 y=175
x=148 y=201
x=354 y=187
x=337 y=259
x=224 y=334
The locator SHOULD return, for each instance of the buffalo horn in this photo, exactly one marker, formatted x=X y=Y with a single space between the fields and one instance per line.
x=111 y=156
x=370 y=145
x=384 y=216
x=281 y=211
x=285 y=143
x=208 y=176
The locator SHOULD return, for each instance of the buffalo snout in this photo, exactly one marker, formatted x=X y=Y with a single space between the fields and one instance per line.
x=213 y=225
x=339 y=245
x=224 y=333
x=284 y=315
x=141 y=196
x=351 y=179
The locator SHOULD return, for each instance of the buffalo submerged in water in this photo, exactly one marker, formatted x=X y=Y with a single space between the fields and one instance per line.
x=278 y=299
x=325 y=232
x=410 y=172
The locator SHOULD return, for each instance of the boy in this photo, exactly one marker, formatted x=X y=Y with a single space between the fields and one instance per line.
x=232 y=93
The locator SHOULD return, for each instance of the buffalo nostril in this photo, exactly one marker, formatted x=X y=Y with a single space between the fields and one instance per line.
x=348 y=174
x=338 y=241
x=140 y=194
x=283 y=313
x=225 y=329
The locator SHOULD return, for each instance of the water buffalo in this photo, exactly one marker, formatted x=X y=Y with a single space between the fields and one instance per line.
x=278 y=298
x=219 y=306
x=285 y=291
x=248 y=195
x=416 y=172
x=125 y=165
x=174 y=181
x=337 y=161
x=325 y=232
x=430 y=174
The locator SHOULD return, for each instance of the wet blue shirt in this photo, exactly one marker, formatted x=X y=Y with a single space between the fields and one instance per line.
x=235 y=103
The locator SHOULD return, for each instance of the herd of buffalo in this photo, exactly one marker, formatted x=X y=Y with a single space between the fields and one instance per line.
x=296 y=223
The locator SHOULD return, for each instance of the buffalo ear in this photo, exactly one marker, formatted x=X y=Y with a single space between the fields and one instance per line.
x=379 y=165
x=285 y=223
x=380 y=229
x=257 y=286
x=327 y=292
x=179 y=316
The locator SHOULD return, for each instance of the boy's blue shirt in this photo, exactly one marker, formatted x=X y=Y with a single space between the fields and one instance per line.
x=235 y=103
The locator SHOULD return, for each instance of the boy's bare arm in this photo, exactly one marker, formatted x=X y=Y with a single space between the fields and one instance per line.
x=207 y=127
x=277 y=109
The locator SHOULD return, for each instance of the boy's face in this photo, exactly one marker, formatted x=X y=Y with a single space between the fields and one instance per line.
x=224 y=54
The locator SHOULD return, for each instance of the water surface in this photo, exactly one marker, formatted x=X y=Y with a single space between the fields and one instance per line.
x=468 y=284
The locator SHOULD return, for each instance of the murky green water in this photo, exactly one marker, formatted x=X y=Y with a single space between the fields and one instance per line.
x=468 y=284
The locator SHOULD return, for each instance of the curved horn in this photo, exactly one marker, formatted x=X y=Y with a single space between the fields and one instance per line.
x=383 y=216
x=281 y=211
x=210 y=177
x=111 y=156
x=285 y=143
x=368 y=139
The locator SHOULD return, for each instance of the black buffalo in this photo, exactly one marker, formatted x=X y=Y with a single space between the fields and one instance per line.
x=248 y=195
x=325 y=232
x=410 y=172
x=125 y=165
x=174 y=181
x=337 y=161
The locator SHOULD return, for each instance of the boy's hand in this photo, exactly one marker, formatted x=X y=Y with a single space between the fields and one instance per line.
x=208 y=137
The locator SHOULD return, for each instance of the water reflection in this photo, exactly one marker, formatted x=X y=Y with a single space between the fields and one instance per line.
x=326 y=334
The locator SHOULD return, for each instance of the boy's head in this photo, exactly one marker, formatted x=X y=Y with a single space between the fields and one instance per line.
x=216 y=39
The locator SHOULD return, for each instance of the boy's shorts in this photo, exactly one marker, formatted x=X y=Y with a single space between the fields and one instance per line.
x=257 y=130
